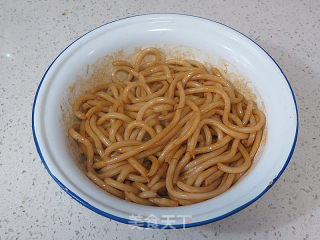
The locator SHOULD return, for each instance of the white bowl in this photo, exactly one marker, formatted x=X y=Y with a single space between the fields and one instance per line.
x=207 y=40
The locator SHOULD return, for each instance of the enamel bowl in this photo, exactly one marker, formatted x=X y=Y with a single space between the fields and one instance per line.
x=204 y=40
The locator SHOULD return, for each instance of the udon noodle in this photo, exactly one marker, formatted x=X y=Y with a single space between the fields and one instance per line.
x=169 y=133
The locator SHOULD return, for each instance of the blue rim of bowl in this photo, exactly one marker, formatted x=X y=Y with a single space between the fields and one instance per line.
x=147 y=224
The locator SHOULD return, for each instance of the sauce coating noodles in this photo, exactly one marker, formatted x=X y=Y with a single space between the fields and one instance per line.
x=169 y=133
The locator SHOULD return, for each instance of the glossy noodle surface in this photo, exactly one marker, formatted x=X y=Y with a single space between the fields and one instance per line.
x=166 y=132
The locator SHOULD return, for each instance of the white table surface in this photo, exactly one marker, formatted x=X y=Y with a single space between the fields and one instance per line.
x=32 y=33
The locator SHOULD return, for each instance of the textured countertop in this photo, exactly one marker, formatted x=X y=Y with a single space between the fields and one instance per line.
x=32 y=34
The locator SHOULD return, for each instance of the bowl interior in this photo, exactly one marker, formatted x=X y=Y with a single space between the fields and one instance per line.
x=246 y=64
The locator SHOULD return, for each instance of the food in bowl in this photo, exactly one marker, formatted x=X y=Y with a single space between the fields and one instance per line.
x=168 y=133
x=72 y=73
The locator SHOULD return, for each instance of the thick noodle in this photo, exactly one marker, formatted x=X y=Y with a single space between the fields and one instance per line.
x=169 y=133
